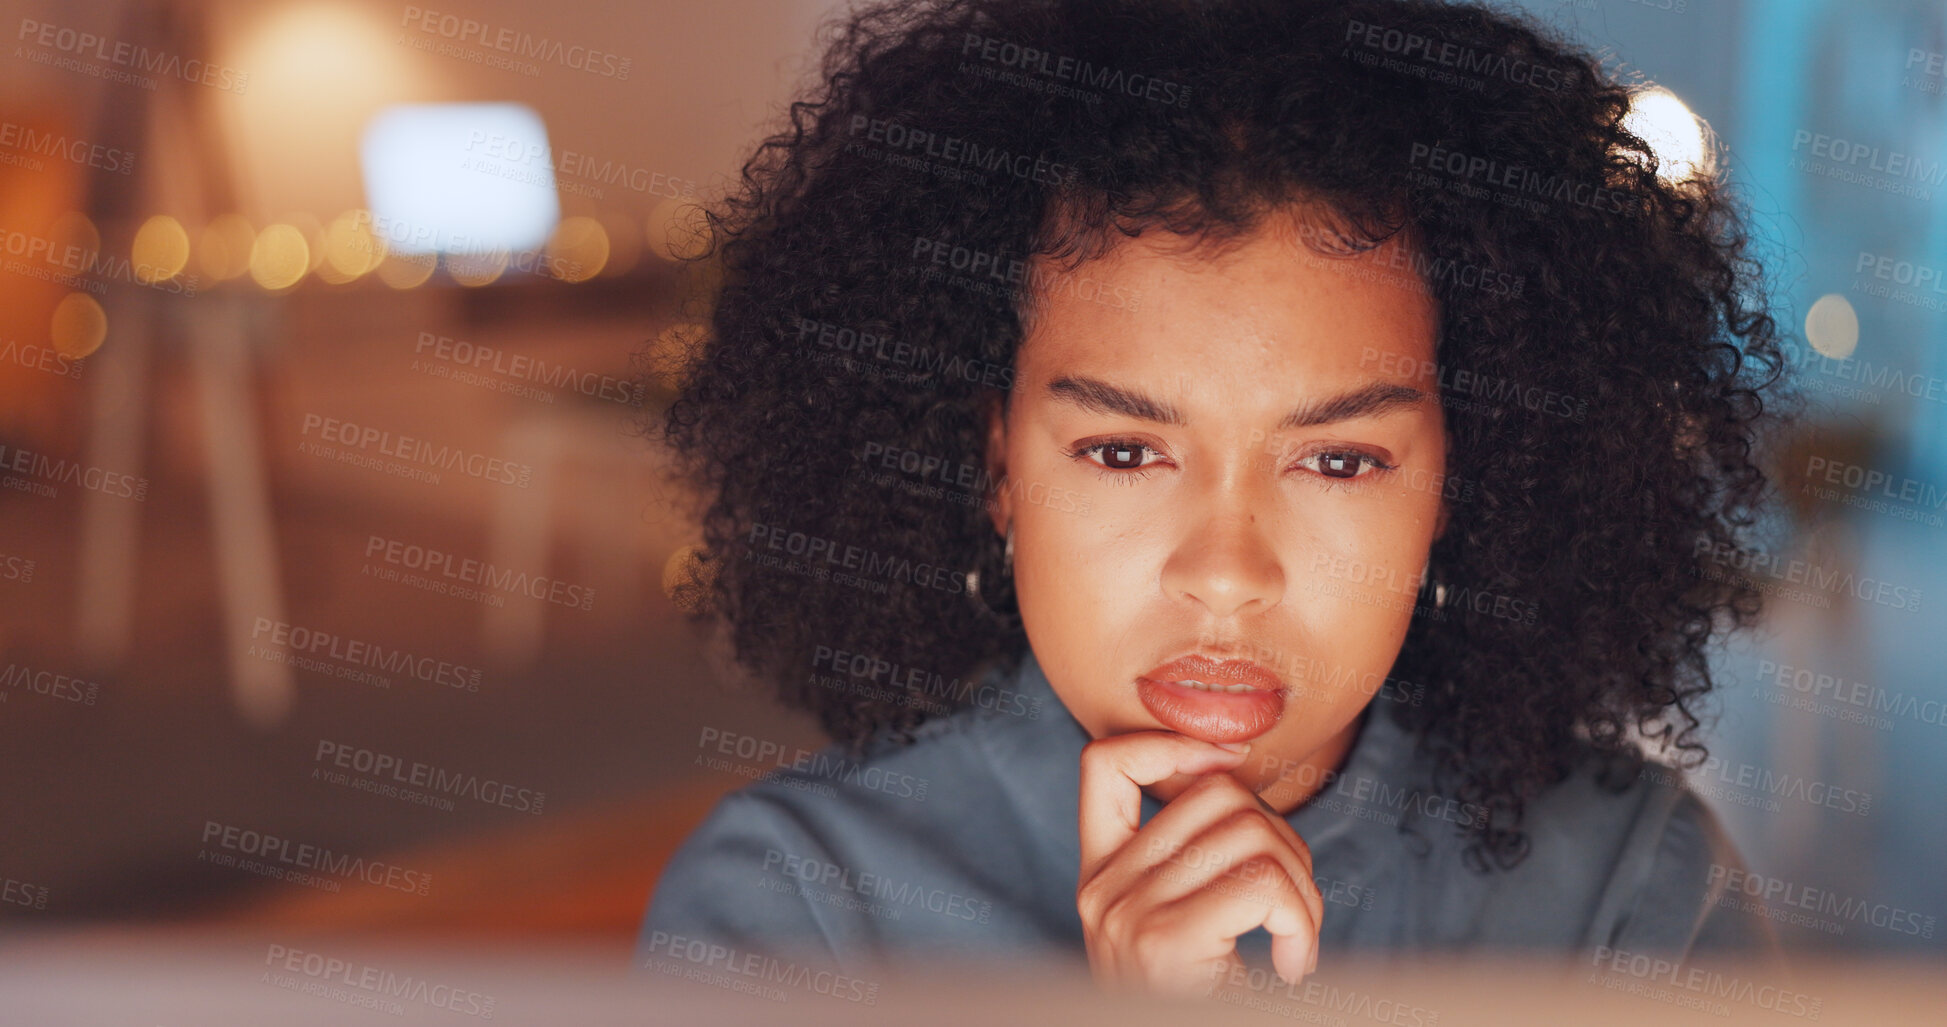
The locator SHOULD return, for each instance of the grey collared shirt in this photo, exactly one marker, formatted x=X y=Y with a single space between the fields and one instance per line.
x=966 y=840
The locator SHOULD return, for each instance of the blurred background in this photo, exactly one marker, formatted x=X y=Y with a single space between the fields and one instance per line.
x=327 y=326
x=299 y=293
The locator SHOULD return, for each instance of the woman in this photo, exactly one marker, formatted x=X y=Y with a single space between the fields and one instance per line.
x=1238 y=480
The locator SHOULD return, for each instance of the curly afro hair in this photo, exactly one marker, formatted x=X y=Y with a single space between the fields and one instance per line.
x=1561 y=262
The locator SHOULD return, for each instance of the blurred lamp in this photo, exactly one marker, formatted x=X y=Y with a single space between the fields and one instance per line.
x=438 y=178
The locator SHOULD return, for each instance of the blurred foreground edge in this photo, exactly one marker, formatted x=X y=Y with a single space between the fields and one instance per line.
x=168 y=978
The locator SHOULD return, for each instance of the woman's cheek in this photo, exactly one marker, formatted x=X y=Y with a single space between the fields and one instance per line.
x=1099 y=555
x=1366 y=568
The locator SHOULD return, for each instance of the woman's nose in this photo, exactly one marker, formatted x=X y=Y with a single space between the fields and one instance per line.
x=1225 y=561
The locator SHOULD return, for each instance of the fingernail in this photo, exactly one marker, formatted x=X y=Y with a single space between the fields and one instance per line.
x=1233 y=746
x=1314 y=967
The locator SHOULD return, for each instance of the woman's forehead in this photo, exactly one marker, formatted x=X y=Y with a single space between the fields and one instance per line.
x=1265 y=303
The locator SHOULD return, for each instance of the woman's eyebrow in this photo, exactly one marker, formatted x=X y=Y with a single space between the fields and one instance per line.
x=1367 y=400
x=1363 y=401
x=1103 y=398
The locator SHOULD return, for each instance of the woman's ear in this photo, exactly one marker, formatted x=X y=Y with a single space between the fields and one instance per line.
x=1002 y=509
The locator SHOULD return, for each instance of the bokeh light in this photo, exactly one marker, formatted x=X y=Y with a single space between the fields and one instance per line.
x=406 y=270
x=160 y=251
x=79 y=325
x=313 y=232
x=1832 y=326
x=280 y=257
x=475 y=268
x=578 y=249
x=351 y=249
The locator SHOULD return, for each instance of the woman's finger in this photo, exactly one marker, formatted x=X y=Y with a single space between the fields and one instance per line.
x=1114 y=772
x=1257 y=894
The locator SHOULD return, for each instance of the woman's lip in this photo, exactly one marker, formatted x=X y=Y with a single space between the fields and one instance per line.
x=1212 y=671
x=1211 y=716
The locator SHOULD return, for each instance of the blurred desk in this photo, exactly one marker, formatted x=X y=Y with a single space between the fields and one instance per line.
x=155 y=978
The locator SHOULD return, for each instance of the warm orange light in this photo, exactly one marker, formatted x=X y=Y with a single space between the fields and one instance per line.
x=79 y=325
x=160 y=251
x=280 y=257
x=351 y=248
x=578 y=250
x=313 y=232
x=482 y=267
x=406 y=270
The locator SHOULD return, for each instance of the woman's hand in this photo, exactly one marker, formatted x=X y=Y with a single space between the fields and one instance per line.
x=1162 y=905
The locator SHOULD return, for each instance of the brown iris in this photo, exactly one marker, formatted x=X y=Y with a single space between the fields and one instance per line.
x=1115 y=457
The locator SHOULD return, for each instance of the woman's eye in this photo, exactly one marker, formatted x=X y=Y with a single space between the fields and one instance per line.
x=1135 y=459
x=1341 y=464
x=1121 y=456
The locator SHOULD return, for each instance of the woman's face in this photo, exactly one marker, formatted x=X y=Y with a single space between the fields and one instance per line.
x=1237 y=457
